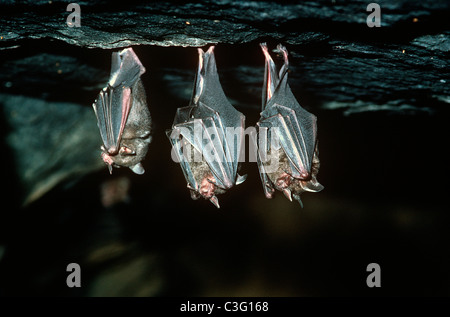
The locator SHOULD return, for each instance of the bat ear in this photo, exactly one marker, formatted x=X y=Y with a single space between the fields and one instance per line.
x=240 y=179
x=297 y=198
x=287 y=193
x=215 y=201
x=138 y=169
x=313 y=186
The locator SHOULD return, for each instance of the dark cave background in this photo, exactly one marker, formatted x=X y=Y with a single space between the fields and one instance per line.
x=381 y=96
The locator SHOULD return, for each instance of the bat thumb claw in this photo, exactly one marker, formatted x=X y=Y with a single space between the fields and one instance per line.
x=110 y=169
x=215 y=201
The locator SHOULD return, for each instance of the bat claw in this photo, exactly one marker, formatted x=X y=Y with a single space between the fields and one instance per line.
x=215 y=201
x=110 y=169
x=287 y=193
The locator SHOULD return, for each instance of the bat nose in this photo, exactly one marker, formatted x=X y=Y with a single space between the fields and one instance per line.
x=207 y=193
x=207 y=189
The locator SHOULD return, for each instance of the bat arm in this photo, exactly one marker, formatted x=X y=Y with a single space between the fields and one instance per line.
x=126 y=106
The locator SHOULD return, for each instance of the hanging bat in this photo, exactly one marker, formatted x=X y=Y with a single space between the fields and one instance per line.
x=123 y=117
x=288 y=155
x=207 y=135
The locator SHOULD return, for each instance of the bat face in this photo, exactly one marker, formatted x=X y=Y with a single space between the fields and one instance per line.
x=207 y=135
x=123 y=117
x=288 y=155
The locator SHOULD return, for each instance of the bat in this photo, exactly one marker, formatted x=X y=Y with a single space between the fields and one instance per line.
x=207 y=135
x=287 y=147
x=123 y=117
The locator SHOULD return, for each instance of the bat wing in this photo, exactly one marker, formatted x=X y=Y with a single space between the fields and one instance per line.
x=205 y=136
x=182 y=136
x=295 y=127
x=114 y=102
x=211 y=126
x=227 y=122
x=261 y=150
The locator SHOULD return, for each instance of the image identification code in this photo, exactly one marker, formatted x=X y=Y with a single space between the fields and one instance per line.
x=228 y=306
